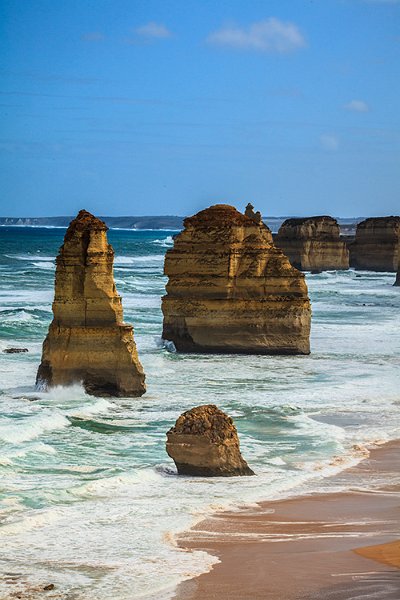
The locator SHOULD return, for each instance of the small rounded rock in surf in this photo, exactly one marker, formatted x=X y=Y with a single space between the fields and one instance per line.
x=204 y=442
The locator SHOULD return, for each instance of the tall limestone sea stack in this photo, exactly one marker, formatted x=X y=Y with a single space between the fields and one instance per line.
x=230 y=290
x=88 y=341
x=376 y=247
x=313 y=244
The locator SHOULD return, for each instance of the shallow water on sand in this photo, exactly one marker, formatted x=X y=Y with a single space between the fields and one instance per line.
x=89 y=500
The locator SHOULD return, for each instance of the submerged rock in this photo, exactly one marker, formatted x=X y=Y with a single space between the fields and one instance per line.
x=49 y=587
x=230 y=290
x=376 y=246
x=88 y=341
x=204 y=442
x=313 y=244
x=15 y=350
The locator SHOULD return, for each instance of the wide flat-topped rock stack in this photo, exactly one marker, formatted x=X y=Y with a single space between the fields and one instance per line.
x=230 y=290
x=88 y=341
x=313 y=244
x=376 y=246
x=204 y=442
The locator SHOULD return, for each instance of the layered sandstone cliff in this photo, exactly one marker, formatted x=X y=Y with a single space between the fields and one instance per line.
x=376 y=246
x=313 y=244
x=204 y=441
x=230 y=290
x=88 y=341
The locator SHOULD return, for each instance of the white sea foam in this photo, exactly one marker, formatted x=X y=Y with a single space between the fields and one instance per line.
x=20 y=316
x=25 y=226
x=138 y=260
x=123 y=484
x=47 y=266
x=141 y=301
x=108 y=501
x=31 y=257
x=278 y=461
x=12 y=455
x=101 y=405
x=30 y=427
x=33 y=298
x=165 y=242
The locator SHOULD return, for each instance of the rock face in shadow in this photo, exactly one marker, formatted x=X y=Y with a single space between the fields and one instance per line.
x=88 y=341
x=230 y=290
x=397 y=282
x=376 y=246
x=313 y=244
x=204 y=442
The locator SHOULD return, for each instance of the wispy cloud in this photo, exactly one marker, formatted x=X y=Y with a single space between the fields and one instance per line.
x=357 y=106
x=381 y=1
x=270 y=35
x=111 y=99
x=93 y=36
x=49 y=77
x=154 y=30
x=329 y=141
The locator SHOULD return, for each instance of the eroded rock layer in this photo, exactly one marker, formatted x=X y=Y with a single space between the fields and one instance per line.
x=230 y=290
x=204 y=441
x=313 y=244
x=376 y=247
x=88 y=341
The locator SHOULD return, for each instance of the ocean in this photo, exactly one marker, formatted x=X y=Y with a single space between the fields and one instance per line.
x=89 y=499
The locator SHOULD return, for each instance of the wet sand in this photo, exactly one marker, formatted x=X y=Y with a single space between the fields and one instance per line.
x=389 y=554
x=333 y=546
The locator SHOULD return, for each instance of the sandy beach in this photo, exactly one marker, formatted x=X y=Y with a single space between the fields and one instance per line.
x=333 y=546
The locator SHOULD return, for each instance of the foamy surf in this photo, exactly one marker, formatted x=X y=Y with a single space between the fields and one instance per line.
x=91 y=501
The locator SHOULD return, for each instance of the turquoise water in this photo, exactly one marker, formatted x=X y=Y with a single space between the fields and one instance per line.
x=90 y=501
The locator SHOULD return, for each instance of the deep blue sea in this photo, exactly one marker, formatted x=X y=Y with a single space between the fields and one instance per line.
x=89 y=499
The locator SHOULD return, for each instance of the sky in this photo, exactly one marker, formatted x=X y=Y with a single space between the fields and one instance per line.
x=152 y=107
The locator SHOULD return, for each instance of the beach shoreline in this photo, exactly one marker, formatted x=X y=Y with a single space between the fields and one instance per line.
x=334 y=545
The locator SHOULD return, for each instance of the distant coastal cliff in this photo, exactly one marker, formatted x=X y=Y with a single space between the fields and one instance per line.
x=347 y=225
x=150 y=222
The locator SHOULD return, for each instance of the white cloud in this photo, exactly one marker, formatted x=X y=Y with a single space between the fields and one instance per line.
x=357 y=106
x=270 y=35
x=329 y=141
x=154 y=30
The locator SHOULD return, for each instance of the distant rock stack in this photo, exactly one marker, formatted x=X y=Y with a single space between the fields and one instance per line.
x=313 y=244
x=230 y=290
x=204 y=442
x=376 y=247
x=88 y=341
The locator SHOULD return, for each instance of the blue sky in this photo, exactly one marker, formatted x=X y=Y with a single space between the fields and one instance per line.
x=135 y=107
